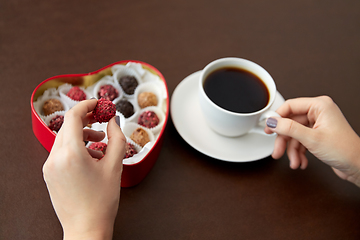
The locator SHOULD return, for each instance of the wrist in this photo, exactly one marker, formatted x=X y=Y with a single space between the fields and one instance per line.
x=86 y=231
x=354 y=160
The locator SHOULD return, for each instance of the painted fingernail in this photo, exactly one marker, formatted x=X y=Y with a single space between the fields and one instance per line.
x=117 y=120
x=271 y=122
x=92 y=98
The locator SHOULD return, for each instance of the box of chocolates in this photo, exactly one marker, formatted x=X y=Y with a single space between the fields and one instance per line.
x=135 y=91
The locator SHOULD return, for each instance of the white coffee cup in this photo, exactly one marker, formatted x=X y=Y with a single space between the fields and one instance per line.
x=232 y=124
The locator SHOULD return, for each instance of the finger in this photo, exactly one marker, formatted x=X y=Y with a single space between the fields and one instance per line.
x=293 y=153
x=279 y=147
x=92 y=135
x=116 y=144
x=340 y=173
x=302 y=119
x=290 y=128
x=95 y=153
x=297 y=106
x=73 y=121
x=303 y=159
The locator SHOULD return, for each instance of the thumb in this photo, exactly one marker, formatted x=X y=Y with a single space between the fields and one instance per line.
x=115 y=150
x=289 y=128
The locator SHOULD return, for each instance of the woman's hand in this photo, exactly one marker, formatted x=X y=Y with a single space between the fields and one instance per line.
x=84 y=189
x=317 y=125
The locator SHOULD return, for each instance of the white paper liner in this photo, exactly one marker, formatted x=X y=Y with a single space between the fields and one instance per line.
x=160 y=114
x=126 y=71
x=149 y=87
x=48 y=118
x=107 y=80
x=103 y=126
x=50 y=93
x=136 y=158
x=130 y=127
x=136 y=66
x=136 y=109
x=64 y=89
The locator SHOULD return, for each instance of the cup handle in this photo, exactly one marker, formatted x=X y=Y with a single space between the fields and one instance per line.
x=259 y=128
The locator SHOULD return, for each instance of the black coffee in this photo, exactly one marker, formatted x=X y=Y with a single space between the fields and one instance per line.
x=236 y=90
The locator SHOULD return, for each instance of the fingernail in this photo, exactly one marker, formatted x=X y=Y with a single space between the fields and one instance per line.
x=92 y=98
x=117 y=120
x=271 y=122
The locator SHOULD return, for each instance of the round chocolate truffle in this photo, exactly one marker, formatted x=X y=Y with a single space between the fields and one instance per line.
x=75 y=93
x=148 y=119
x=140 y=136
x=146 y=99
x=125 y=107
x=128 y=84
x=98 y=146
x=52 y=105
x=104 y=110
x=129 y=150
x=56 y=123
x=108 y=92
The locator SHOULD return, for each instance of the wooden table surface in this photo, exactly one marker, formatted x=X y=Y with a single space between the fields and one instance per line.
x=310 y=48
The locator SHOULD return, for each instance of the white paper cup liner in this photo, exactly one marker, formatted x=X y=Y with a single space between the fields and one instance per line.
x=149 y=87
x=48 y=118
x=135 y=157
x=139 y=156
x=159 y=113
x=126 y=71
x=103 y=126
x=107 y=80
x=130 y=127
x=38 y=105
x=136 y=109
x=64 y=89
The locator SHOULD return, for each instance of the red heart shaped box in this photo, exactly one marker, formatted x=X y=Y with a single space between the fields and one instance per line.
x=132 y=174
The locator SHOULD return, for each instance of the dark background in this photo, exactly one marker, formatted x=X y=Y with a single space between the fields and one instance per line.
x=310 y=48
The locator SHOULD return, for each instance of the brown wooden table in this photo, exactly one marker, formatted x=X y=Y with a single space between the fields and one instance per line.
x=309 y=47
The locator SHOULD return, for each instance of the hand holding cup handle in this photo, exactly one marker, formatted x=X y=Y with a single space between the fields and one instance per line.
x=259 y=129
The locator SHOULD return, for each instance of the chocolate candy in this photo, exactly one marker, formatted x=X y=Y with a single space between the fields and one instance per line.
x=52 y=105
x=140 y=136
x=129 y=150
x=128 y=84
x=99 y=146
x=125 y=107
x=108 y=92
x=146 y=99
x=75 y=93
x=148 y=119
x=56 y=123
x=104 y=110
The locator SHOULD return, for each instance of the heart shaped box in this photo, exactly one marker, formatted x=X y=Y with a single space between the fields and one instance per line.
x=132 y=174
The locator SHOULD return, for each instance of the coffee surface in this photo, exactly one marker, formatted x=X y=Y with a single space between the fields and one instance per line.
x=236 y=90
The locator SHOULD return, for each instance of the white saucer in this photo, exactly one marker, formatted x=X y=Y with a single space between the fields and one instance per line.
x=190 y=123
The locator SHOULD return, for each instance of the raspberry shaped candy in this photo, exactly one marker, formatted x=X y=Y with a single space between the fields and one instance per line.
x=75 y=93
x=104 y=110
x=108 y=92
x=148 y=119
x=56 y=123
x=129 y=150
x=99 y=146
